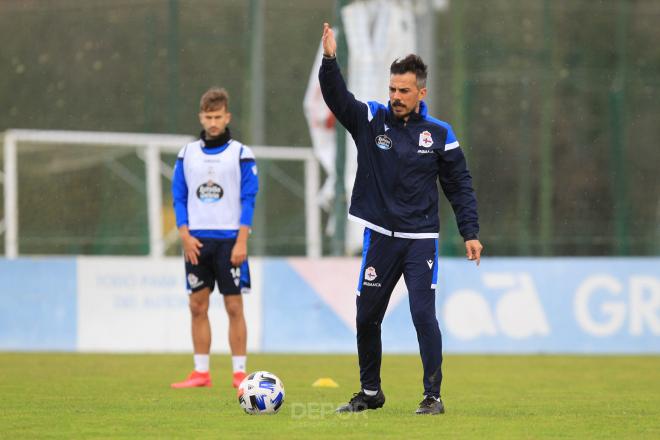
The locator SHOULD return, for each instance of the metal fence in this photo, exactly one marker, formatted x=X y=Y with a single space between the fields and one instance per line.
x=556 y=103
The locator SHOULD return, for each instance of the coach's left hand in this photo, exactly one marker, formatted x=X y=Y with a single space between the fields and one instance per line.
x=473 y=250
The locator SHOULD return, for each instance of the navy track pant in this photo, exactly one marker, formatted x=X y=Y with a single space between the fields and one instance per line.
x=384 y=260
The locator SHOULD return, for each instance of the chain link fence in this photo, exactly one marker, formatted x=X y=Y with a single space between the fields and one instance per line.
x=556 y=104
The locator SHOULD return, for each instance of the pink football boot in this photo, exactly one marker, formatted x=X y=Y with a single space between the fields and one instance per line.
x=195 y=379
x=238 y=378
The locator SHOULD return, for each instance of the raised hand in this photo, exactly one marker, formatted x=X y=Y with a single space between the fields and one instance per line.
x=329 y=43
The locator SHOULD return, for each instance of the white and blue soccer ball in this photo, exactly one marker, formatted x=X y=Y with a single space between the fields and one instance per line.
x=261 y=393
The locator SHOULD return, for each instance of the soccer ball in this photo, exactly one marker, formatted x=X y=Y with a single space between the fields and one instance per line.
x=261 y=393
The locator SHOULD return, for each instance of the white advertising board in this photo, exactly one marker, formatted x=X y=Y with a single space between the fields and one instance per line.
x=141 y=305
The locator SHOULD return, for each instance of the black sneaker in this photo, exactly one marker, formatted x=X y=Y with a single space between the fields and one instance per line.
x=430 y=406
x=360 y=401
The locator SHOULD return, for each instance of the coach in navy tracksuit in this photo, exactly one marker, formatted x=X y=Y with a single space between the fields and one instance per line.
x=401 y=154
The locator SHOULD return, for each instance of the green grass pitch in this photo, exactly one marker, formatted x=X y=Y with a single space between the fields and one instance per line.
x=508 y=397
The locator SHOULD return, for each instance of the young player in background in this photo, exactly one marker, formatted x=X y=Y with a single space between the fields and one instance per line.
x=214 y=189
x=402 y=153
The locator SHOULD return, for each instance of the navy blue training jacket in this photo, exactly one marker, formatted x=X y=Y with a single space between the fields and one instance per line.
x=395 y=191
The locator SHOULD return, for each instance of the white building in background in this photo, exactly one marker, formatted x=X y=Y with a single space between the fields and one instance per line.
x=377 y=32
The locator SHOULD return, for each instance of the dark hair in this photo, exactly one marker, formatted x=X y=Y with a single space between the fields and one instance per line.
x=411 y=63
x=214 y=99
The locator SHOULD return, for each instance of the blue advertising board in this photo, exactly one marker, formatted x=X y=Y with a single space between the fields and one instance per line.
x=506 y=305
x=38 y=304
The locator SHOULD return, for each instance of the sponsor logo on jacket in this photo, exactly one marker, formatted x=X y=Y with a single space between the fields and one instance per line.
x=383 y=142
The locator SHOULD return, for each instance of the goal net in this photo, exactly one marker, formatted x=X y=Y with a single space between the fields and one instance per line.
x=99 y=193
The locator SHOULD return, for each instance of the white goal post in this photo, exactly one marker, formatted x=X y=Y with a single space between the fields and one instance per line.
x=152 y=146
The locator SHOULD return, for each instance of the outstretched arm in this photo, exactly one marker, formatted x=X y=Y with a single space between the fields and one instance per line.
x=348 y=110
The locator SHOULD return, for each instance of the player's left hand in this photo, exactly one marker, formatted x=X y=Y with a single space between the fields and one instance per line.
x=473 y=250
x=238 y=253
